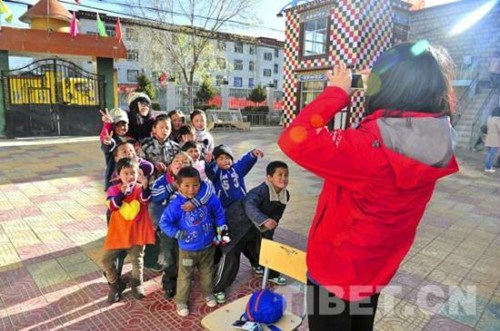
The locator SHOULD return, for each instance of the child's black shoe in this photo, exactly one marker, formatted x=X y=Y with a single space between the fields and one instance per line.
x=137 y=289
x=169 y=293
x=115 y=291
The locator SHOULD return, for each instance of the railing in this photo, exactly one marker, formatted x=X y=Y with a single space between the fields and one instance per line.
x=481 y=117
x=460 y=103
x=272 y=118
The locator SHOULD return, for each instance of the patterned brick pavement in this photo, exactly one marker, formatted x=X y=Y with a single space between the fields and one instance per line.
x=52 y=226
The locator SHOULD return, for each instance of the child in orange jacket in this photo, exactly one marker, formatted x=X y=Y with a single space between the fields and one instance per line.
x=130 y=227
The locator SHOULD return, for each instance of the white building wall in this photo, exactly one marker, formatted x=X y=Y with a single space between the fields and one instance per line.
x=122 y=67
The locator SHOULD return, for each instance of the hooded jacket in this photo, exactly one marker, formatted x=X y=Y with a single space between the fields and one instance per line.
x=378 y=179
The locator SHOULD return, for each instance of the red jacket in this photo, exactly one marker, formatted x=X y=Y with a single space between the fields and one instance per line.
x=378 y=179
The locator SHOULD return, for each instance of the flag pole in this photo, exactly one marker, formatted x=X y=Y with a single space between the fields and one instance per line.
x=48 y=14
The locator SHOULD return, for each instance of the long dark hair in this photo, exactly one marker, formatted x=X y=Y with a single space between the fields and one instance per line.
x=412 y=76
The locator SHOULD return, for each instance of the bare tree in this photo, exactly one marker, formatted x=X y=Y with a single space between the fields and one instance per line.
x=190 y=27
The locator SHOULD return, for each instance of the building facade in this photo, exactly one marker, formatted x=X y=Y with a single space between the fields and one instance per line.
x=321 y=33
x=242 y=61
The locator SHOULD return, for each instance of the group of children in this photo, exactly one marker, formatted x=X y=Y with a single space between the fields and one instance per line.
x=177 y=202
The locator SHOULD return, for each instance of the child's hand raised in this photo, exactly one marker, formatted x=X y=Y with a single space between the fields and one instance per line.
x=126 y=188
x=185 y=138
x=258 y=153
x=108 y=137
x=106 y=116
x=209 y=157
x=160 y=166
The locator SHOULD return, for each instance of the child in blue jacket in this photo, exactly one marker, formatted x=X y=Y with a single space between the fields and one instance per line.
x=164 y=255
x=196 y=231
x=228 y=176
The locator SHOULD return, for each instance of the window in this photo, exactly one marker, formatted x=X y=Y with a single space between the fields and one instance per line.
x=132 y=75
x=314 y=36
x=309 y=91
x=221 y=45
x=238 y=64
x=219 y=80
x=110 y=30
x=275 y=83
x=277 y=53
x=251 y=49
x=276 y=68
x=251 y=66
x=238 y=47
x=267 y=72
x=251 y=82
x=221 y=63
x=268 y=56
x=133 y=55
x=238 y=82
x=131 y=34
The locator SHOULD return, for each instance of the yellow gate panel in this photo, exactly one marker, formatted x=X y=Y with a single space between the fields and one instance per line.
x=79 y=91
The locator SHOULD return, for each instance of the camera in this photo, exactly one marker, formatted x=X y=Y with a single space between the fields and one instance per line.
x=246 y=325
x=357 y=81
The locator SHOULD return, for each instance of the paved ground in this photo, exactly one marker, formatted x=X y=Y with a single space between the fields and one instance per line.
x=52 y=226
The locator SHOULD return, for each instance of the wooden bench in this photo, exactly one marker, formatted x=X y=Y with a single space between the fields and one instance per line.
x=226 y=119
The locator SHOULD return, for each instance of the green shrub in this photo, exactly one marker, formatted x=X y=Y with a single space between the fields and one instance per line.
x=258 y=94
x=144 y=85
x=155 y=106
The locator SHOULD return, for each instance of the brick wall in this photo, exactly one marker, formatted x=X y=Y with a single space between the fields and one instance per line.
x=480 y=40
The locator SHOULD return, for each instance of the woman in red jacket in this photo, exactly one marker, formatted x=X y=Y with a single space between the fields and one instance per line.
x=378 y=178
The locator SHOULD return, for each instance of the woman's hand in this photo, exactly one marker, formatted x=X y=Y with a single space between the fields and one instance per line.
x=340 y=77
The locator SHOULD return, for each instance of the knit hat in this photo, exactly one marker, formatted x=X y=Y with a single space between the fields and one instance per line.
x=119 y=115
x=139 y=96
x=265 y=306
x=222 y=149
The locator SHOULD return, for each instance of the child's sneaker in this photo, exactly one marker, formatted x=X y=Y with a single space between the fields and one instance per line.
x=280 y=280
x=220 y=297
x=211 y=302
x=182 y=310
x=258 y=271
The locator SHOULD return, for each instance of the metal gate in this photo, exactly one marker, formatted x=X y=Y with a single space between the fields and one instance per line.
x=52 y=97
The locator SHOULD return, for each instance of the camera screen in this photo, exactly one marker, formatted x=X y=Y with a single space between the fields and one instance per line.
x=357 y=81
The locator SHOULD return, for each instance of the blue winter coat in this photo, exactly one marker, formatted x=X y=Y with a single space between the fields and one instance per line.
x=197 y=226
x=230 y=184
